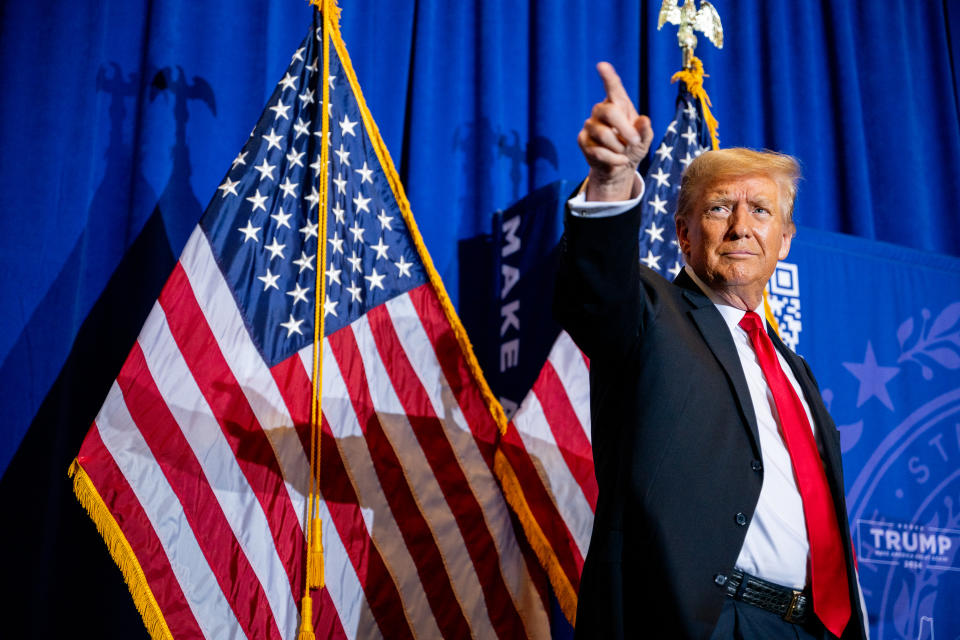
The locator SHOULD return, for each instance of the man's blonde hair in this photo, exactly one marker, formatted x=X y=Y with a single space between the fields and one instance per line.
x=738 y=162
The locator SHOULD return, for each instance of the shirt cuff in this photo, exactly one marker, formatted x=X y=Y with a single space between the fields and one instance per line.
x=583 y=208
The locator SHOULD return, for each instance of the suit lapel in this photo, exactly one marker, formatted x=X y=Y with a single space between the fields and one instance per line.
x=717 y=336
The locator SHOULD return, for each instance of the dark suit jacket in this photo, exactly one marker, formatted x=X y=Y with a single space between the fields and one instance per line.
x=675 y=441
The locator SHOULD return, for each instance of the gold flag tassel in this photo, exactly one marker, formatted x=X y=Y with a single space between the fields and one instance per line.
x=313 y=529
x=693 y=78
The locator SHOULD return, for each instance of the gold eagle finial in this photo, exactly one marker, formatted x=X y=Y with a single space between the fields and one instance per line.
x=705 y=20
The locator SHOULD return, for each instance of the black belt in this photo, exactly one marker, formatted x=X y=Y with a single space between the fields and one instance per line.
x=790 y=604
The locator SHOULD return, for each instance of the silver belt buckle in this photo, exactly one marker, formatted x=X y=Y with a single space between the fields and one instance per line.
x=788 y=615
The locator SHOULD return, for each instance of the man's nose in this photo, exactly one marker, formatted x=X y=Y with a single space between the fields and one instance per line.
x=738 y=226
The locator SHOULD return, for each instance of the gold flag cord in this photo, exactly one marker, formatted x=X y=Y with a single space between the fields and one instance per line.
x=693 y=78
x=313 y=528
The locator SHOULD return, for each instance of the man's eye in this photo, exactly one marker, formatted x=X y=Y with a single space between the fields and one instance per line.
x=761 y=211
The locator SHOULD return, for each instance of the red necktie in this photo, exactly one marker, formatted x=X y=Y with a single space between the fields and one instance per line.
x=828 y=568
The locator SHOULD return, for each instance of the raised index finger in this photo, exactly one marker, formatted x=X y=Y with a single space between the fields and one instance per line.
x=613 y=85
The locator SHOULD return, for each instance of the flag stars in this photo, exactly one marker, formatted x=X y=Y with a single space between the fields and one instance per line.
x=672 y=127
x=380 y=248
x=297 y=55
x=375 y=279
x=273 y=139
x=295 y=158
x=331 y=80
x=330 y=307
x=686 y=160
x=355 y=292
x=280 y=110
x=312 y=67
x=346 y=126
x=366 y=173
x=385 y=220
x=651 y=260
x=283 y=219
x=309 y=230
x=307 y=97
x=250 y=232
x=690 y=110
x=403 y=268
x=690 y=136
x=313 y=198
x=361 y=203
x=292 y=326
x=338 y=213
x=265 y=169
x=663 y=179
x=355 y=261
x=316 y=165
x=655 y=232
x=269 y=280
x=275 y=249
x=289 y=188
x=664 y=151
x=289 y=81
x=341 y=184
x=299 y=294
x=257 y=200
x=659 y=205
x=229 y=186
x=675 y=269
x=240 y=159
x=357 y=231
x=344 y=155
x=305 y=261
x=336 y=242
x=302 y=128
x=333 y=275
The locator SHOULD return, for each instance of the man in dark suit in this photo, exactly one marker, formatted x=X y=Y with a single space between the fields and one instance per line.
x=721 y=509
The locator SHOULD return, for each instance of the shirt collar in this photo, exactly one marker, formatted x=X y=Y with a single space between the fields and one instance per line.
x=731 y=315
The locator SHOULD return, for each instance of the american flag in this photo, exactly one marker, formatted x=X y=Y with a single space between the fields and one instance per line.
x=548 y=441
x=196 y=468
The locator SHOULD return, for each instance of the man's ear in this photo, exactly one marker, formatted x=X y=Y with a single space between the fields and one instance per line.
x=683 y=236
x=785 y=239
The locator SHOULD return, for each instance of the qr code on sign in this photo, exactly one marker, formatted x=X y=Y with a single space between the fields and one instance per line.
x=783 y=295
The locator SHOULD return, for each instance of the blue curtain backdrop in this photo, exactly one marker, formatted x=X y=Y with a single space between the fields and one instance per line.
x=119 y=118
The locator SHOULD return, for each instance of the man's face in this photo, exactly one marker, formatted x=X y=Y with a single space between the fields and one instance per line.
x=735 y=235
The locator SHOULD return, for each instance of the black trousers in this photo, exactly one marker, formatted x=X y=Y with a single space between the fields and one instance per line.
x=742 y=621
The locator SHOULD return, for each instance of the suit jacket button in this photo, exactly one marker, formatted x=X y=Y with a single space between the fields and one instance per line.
x=720 y=579
x=756 y=465
x=741 y=519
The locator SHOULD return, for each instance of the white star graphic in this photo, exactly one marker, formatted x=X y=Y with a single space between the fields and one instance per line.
x=675 y=269
x=655 y=232
x=265 y=169
x=275 y=249
x=330 y=307
x=341 y=184
x=313 y=198
x=283 y=219
x=661 y=178
x=355 y=292
x=659 y=206
x=302 y=128
x=249 y=231
x=292 y=326
x=308 y=230
x=384 y=220
x=346 y=126
x=686 y=160
x=690 y=110
x=240 y=159
x=229 y=186
x=299 y=293
x=338 y=213
x=273 y=139
x=361 y=203
x=337 y=242
x=289 y=81
x=315 y=165
x=664 y=151
x=403 y=267
x=357 y=231
x=297 y=55
x=269 y=280
x=281 y=110
x=355 y=261
x=651 y=260
x=343 y=155
x=305 y=261
x=333 y=275
x=376 y=279
x=307 y=97
x=330 y=80
x=257 y=200
x=690 y=136
x=289 y=189
x=365 y=173
x=295 y=158
x=380 y=248
x=312 y=67
x=672 y=127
